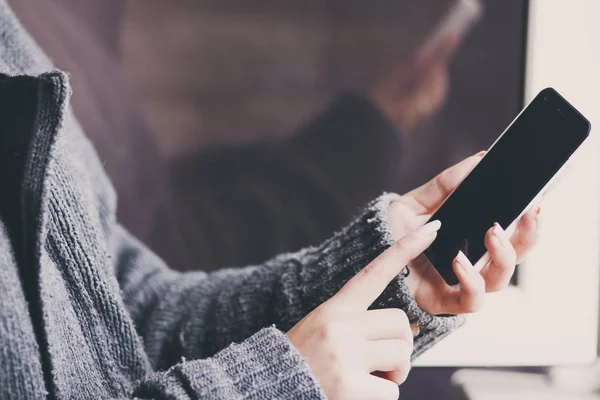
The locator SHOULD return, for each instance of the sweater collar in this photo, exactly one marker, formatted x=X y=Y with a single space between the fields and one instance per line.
x=32 y=110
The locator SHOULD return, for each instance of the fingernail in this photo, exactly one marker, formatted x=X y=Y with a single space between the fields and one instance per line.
x=463 y=261
x=497 y=230
x=538 y=210
x=427 y=229
x=415 y=329
x=481 y=153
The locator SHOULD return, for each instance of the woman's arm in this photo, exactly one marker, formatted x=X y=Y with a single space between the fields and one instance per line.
x=265 y=366
x=342 y=341
x=194 y=315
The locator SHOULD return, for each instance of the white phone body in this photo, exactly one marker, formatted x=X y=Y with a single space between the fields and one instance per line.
x=537 y=200
x=457 y=23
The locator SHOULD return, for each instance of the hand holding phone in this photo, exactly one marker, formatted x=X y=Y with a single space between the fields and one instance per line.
x=515 y=174
x=425 y=285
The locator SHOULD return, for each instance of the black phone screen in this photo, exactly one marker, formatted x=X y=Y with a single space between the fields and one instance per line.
x=507 y=179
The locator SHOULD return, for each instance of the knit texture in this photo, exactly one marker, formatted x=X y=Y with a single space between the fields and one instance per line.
x=88 y=312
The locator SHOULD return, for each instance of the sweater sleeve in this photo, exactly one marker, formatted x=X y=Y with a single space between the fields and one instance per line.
x=194 y=315
x=265 y=366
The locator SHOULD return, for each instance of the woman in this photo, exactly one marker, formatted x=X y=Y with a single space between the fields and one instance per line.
x=88 y=312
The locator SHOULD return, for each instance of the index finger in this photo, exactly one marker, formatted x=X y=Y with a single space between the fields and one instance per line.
x=366 y=286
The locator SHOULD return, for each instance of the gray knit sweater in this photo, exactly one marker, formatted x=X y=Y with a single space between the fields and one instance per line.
x=88 y=312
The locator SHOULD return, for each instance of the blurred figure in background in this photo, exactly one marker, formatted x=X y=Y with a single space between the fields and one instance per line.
x=206 y=211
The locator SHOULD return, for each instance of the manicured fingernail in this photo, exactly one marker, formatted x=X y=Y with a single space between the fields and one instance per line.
x=481 y=153
x=415 y=329
x=538 y=210
x=497 y=230
x=463 y=261
x=427 y=229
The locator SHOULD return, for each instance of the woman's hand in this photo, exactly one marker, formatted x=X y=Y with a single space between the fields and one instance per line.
x=345 y=344
x=425 y=284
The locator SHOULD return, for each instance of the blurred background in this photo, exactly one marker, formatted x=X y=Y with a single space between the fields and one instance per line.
x=209 y=72
x=235 y=130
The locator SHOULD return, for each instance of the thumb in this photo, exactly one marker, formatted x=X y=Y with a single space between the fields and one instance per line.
x=428 y=197
x=364 y=288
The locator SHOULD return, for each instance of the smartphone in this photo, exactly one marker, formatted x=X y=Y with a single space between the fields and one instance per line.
x=515 y=174
x=457 y=23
